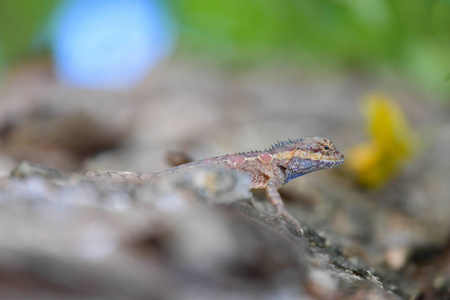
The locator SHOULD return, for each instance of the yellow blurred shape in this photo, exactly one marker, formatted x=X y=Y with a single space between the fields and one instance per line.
x=392 y=143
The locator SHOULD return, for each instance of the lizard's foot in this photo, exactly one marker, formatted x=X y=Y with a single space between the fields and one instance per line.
x=289 y=218
x=283 y=214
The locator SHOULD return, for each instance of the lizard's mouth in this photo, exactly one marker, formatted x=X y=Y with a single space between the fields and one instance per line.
x=333 y=163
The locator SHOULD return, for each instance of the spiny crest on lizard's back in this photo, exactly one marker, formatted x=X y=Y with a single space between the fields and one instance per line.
x=284 y=143
x=247 y=152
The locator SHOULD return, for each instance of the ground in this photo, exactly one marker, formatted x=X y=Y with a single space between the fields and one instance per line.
x=63 y=236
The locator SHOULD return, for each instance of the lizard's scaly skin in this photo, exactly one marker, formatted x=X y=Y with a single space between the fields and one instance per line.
x=268 y=169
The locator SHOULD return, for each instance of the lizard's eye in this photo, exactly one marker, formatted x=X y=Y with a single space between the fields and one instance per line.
x=326 y=147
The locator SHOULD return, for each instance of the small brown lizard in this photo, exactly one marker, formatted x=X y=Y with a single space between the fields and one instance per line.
x=268 y=169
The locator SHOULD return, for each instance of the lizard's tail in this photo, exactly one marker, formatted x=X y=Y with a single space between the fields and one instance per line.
x=137 y=177
x=121 y=176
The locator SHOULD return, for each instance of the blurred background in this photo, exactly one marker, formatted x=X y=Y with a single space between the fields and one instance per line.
x=384 y=38
x=140 y=85
x=231 y=75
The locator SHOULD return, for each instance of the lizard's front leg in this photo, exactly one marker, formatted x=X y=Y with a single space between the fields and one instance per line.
x=275 y=198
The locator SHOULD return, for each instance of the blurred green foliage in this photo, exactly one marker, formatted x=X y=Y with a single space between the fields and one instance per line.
x=382 y=36
x=20 y=24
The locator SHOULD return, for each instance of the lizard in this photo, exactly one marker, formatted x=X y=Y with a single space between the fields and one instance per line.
x=268 y=169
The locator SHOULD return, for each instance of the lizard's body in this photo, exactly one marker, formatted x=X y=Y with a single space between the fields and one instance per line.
x=268 y=169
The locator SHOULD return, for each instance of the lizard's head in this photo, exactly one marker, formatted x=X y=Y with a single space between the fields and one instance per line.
x=307 y=155
x=320 y=150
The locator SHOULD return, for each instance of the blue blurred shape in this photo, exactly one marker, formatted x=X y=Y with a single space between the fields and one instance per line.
x=110 y=44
